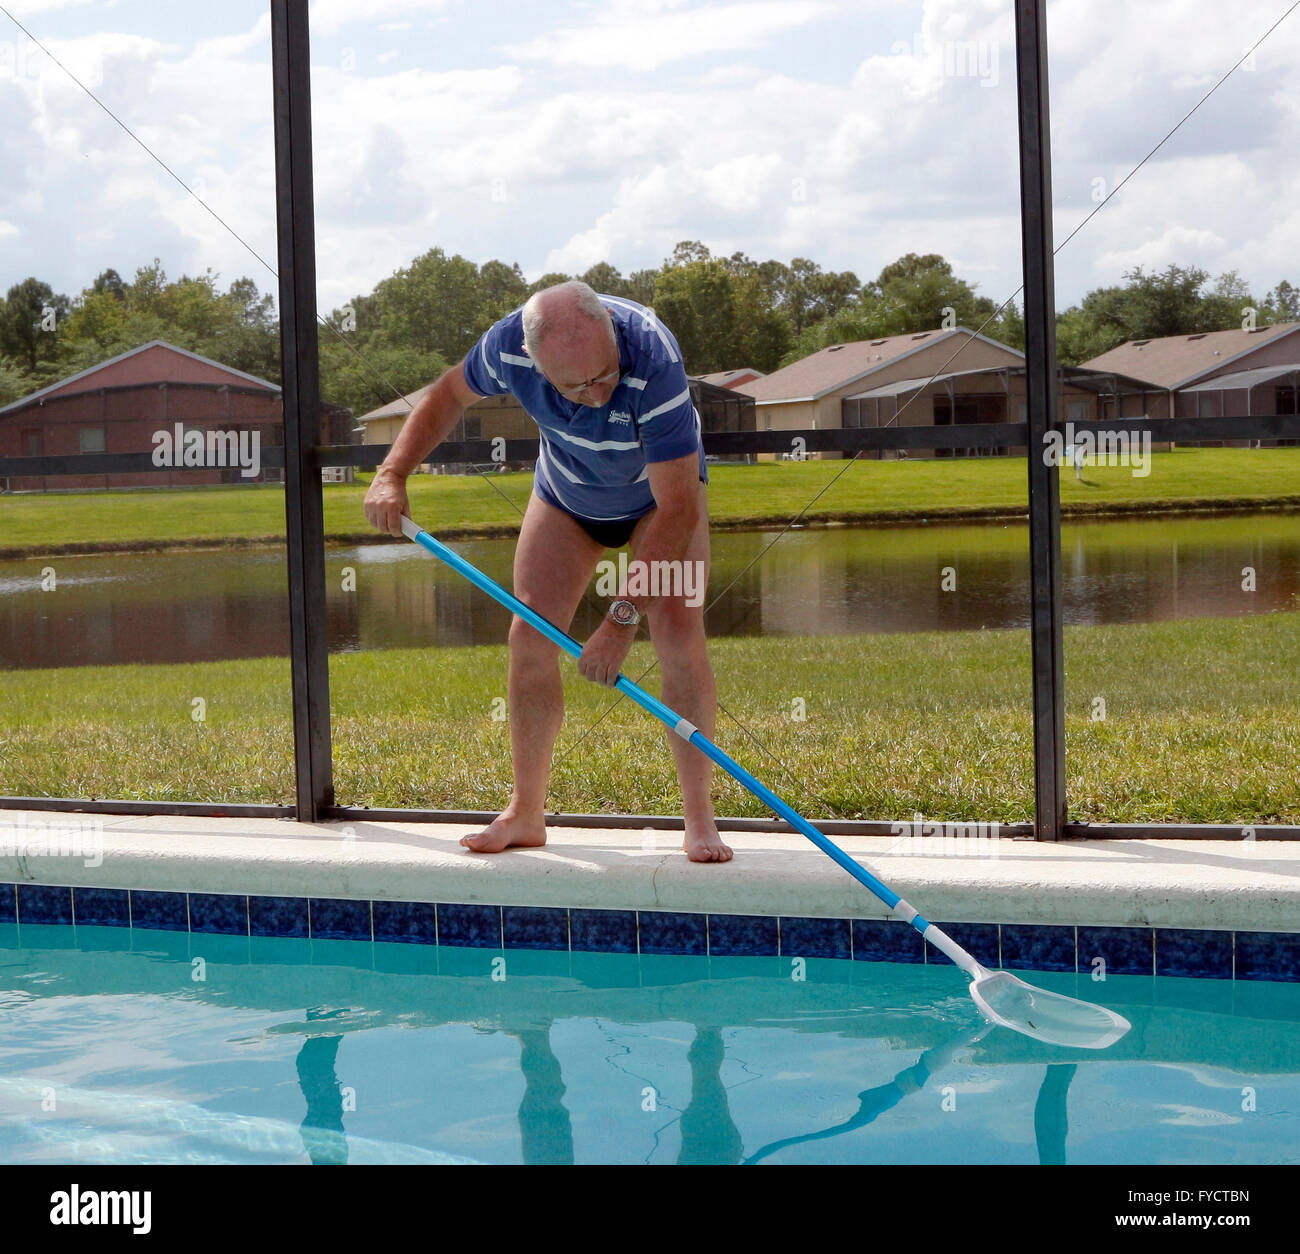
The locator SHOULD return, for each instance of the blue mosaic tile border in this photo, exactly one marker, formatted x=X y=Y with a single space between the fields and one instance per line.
x=1051 y=947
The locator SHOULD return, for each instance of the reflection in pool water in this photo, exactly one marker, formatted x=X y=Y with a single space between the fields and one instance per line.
x=343 y=1051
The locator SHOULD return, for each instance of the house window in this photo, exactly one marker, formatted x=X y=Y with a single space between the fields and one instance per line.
x=33 y=446
x=473 y=428
x=91 y=439
x=1076 y=411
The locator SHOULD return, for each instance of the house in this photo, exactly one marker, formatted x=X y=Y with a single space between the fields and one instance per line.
x=928 y=378
x=1216 y=373
x=123 y=404
x=995 y=394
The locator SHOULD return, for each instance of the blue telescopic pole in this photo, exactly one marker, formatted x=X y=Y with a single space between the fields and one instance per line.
x=685 y=729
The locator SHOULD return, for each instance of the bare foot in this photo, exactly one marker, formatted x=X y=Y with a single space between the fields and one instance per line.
x=508 y=831
x=703 y=844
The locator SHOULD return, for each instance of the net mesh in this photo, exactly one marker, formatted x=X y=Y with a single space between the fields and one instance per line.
x=1050 y=1017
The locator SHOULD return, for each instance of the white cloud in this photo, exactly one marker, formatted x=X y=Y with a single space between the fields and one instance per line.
x=328 y=17
x=1170 y=246
x=647 y=37
x=847 y=161
x=227 y=47
x=729 y=75
x=30 y=8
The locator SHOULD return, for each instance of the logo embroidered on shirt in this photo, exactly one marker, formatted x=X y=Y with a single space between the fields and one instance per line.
x=620 y=415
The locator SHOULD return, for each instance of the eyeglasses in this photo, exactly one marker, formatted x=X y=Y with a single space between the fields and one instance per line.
x=591 y=383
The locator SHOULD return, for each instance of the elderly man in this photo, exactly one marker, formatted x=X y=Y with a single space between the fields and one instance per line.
x=620 y=463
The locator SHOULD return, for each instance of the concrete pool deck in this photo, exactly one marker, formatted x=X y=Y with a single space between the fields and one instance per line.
x=1242 y=885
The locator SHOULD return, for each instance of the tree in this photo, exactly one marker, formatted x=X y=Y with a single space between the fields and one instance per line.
x=30 y=320
x=915 y=293
x=810 y=294
x=145 y=293
x=1169 y=303
x=687 y=251
x=237 y=327
x=434 y=305
x=504 y=288
x=111 y=282
x=364 y=378
x=98 y=317
x=641 y=286
x=1084 y=332
x=1151 y=306
x=1008 y=327
x=1283 y=303
x=1227 y=304
x=722 y=319
x=15 y=382
x=550 y=279
x=604 y=278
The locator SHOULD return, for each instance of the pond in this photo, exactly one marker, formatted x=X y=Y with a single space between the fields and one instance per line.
x=230 y=603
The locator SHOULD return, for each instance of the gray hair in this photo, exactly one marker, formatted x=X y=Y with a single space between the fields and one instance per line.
x=579 y=302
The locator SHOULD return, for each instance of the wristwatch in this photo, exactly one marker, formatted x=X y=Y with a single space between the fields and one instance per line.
x=624 y=613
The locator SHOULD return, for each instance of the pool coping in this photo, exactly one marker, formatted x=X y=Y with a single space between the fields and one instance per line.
x=1229 y=909
x=1204 y=884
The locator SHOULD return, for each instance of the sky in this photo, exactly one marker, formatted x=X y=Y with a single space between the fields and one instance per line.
x=559 y=134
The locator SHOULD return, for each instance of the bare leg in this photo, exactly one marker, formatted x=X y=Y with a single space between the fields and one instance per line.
x=554 y=561
x=677 y=632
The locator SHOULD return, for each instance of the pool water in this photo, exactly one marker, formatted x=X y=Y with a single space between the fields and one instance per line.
x=132 y=1046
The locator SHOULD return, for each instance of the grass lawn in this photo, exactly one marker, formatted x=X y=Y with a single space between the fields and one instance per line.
x=771 y=492
x=1202 y=724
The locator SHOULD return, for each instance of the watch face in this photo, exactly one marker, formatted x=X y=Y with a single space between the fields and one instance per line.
x=624 y=613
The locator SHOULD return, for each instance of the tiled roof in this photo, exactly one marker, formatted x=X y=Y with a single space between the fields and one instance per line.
x=86 y=381
x=842 y=364
x=1174 y=360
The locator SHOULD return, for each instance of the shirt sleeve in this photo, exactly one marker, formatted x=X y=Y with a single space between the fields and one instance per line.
x=482 y=365
x=667 y=424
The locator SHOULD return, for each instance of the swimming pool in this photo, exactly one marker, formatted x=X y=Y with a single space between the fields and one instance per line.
x=122 y=1045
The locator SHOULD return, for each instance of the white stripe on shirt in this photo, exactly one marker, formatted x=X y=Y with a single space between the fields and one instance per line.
x=547 y=466
x=647 y=316
x=677 y=400
x=621 y=445
x=565 y=471
x=482 y=352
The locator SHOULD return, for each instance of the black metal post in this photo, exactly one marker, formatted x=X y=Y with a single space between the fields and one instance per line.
x=1041 y=389
x=304 y=506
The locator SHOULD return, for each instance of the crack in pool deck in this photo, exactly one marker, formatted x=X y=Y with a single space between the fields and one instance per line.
x=654 y=878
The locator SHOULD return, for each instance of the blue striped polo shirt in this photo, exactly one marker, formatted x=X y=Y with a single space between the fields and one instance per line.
x=593 y=462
